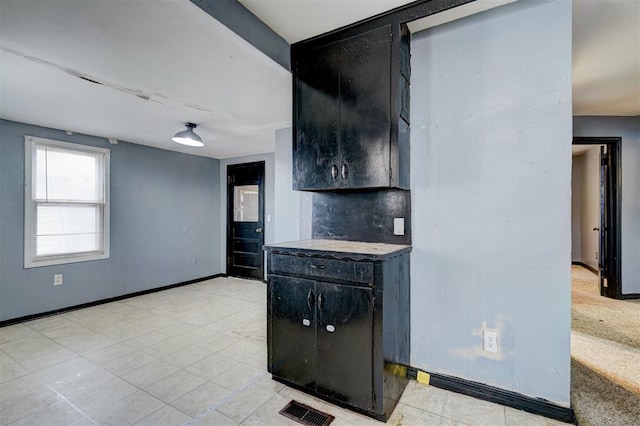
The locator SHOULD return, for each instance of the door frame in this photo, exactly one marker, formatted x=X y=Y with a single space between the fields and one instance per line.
x=614 y=204
x=261 y=212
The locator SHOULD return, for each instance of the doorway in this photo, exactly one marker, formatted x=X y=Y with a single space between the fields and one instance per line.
x=245 y=220
x=608 y=228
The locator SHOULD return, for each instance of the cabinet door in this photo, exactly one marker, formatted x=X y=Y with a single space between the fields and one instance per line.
x=365 y=109
x=293 y=330
x=345 y=344
x=316 y=119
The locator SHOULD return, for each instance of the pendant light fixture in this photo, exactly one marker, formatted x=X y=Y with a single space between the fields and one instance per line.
x=188 y=137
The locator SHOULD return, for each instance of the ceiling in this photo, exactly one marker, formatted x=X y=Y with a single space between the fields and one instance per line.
x=606 y=57
x=297 y=20
x=136 y=70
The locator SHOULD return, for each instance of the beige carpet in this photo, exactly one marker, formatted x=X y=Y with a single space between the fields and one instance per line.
x=609 y=319
x=605 y=352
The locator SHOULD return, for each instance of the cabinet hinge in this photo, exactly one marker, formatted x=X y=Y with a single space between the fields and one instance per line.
x=390 y=173
x=228 y=260
x=604 y=160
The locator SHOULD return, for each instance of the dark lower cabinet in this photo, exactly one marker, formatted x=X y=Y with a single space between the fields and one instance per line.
x=345 y=343
x=322 y=337
x=293 y=336
x=342 y=340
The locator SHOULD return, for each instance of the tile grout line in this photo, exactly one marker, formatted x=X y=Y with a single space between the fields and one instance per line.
x=16 y=362
x=30 y=371
x=226 y=399
x=65 y=399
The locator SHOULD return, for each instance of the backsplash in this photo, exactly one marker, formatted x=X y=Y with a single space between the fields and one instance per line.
x=362 y=215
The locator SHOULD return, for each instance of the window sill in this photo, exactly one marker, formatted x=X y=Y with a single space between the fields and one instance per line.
x=61 y=260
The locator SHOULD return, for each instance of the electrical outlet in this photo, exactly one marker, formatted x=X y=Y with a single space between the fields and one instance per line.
x=398 y=226
x=490 y=341
x=195 y=261
x=57 y=279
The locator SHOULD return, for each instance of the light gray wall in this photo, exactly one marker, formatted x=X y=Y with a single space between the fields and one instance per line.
x=576 y=208
x=164 y=212
x=287 y=201
x=269 y=179
x=628 y=128
x=590 y=208
x=292 y=209
x=491 y=192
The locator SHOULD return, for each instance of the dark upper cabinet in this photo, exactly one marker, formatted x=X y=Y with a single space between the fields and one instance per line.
x=365 y=119
x=349 y=95
x=317 y=117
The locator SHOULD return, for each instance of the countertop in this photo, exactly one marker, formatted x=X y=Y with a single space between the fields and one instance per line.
x=337 y=246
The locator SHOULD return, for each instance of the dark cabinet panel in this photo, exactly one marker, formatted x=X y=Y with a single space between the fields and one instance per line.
x=293 y=330
x=317 y=117
x=365 y=115
x=345 y=344
x=360 y=272
x=346 y=109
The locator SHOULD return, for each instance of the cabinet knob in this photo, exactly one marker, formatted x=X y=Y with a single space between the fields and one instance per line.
x=344 y=171
x=330 y=328
x=334 y=171
x=306 y=322
x=259 y=230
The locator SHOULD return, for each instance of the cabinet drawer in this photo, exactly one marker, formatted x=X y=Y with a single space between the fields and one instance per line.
x=345 y=270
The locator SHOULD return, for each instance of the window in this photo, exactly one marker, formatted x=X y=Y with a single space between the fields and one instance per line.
x=245 y=202
x=66 y=203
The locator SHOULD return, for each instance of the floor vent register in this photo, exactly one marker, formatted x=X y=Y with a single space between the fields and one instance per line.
x=306 y=415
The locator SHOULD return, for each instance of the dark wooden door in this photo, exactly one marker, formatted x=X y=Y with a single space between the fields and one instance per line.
x=345 y=343
x=293 y=330
x=608 y=263
x=245 y=220
x=610 y=225
x=317 y=118
x=365 y=109
x=602 y=230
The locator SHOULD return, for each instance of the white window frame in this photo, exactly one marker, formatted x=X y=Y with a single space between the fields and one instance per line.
x=31 y=260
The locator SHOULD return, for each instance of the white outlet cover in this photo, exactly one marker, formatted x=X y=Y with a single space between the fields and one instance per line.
x=398 y=226
x=57 y=279
x=490 y=341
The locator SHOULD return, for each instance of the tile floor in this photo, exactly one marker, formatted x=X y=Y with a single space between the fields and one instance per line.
x=193 y=355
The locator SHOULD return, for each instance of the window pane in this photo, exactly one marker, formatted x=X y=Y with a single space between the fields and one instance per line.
x=245 y=203
x=41 y=173
x=67 y=175
x=63 y=229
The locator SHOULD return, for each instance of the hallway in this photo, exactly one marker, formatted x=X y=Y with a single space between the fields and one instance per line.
x=605 y=354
